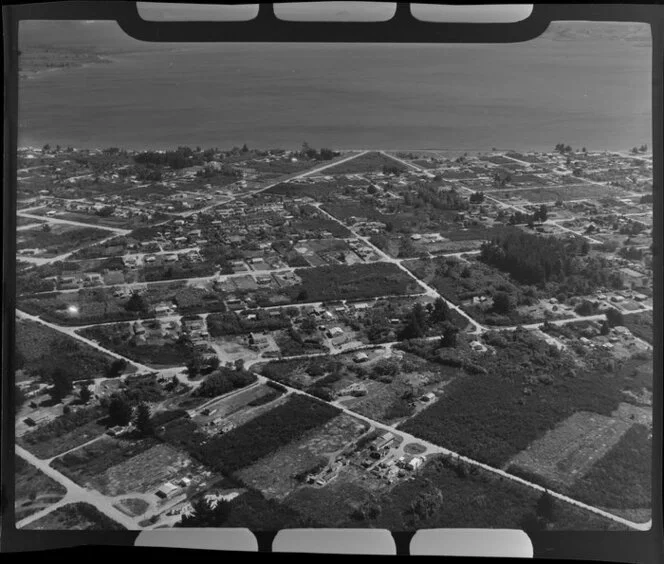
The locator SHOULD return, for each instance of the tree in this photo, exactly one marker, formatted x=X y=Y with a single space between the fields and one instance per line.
x=137 y=303
x=116 y=367
x=244 y=149
x=605 y=329
x=449 y=335
x=206 y=515
x=119 y=410
x=62 y=385
x=502 y=303
x=440 y=310
x=542 y=213
x=531 y=523
x=46 y=228
x=614 y=317
x=19 y=398
x=476 y=197
x=546 y=506
x=85 y=394
x=143 y=419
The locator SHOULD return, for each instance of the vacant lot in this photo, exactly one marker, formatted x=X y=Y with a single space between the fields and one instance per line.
x=145 y=472
x=34 y=489
x=278 y=474
x=573 y=192
x=621 y=481
x=154 y=350
x=42 y=349
x=75 y=517
x=566 y=453
x=84 y=464
x=59 y=239
x=332 y=505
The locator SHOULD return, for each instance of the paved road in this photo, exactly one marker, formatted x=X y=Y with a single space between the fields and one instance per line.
x=429 y=290
x=75 y=493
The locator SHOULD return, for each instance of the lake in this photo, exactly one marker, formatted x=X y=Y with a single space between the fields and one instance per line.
x=594 y=93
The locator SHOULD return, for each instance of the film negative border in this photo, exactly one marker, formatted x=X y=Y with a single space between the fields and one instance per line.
x=633 y=546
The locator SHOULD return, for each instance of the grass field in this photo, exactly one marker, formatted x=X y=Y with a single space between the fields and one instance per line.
x=75 y=517
x=226 y=406
x=248 y=413
x=34 y=489
x=277 y=475
x=133 y=507
x=564 y=454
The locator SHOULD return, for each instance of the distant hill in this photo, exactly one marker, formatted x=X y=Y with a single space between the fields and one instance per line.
x=636 y=33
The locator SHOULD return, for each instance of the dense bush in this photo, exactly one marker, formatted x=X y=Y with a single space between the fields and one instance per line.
x=510 y=406
x=531 y=259
x=266 y=433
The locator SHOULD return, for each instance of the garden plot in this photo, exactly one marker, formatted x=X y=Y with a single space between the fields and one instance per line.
x=84 y=464
x=277 y=475
x=145 y=472
x=567 y=452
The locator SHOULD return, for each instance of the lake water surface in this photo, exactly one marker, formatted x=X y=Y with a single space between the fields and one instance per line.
x=594 y=93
